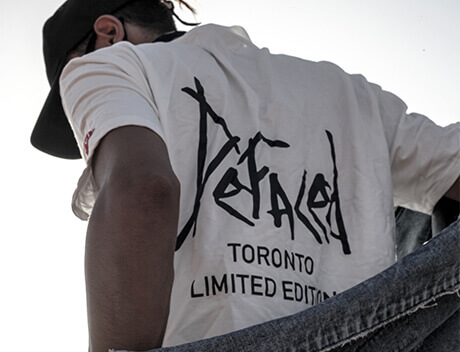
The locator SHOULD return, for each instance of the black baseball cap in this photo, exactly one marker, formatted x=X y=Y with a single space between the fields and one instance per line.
x=71 y=23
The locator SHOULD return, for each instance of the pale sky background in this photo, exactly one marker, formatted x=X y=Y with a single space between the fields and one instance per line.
x=409 y=47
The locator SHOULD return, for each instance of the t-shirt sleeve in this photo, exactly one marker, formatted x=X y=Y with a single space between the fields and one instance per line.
x=425 y=157
x=100 y=92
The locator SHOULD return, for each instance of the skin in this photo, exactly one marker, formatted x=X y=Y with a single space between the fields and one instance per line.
x=133 y=227
x=454 y=191
x=110 y=30
x=130 y=242
x=132 y=230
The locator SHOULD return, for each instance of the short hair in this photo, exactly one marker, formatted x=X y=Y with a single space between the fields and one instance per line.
x=152 y=15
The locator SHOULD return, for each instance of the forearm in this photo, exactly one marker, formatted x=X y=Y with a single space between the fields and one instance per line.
x=129 y=266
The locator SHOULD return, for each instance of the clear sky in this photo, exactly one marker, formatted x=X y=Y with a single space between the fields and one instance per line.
x=409 y=47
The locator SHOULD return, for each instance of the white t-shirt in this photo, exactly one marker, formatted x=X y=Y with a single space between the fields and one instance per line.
x=289 y=169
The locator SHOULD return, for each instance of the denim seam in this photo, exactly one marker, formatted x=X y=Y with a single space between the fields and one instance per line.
x=422 y=304
x=388 y=312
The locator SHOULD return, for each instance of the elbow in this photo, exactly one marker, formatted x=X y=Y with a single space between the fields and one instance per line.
x=143 y=206
x=153 y=193
x=143 y=189
x=134 y=223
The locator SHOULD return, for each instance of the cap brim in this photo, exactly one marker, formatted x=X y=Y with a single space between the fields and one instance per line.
x=52 y=133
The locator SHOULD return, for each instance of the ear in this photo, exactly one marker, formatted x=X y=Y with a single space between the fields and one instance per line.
x=109 y=30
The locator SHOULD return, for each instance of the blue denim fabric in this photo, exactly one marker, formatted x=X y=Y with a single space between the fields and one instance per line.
x=414 y=228
x=412 y=306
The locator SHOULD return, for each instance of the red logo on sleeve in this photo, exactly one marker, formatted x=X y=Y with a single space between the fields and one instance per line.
x=86 y=143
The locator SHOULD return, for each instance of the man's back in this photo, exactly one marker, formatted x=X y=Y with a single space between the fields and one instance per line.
x=286 y=170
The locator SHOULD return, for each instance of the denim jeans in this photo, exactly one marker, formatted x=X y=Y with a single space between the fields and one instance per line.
x=414 y=228
x=411 y=306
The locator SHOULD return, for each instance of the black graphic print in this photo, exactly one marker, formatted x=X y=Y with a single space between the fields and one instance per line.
x=320 y=195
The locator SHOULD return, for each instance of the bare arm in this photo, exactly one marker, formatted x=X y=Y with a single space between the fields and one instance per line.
x=454 y=191
x=130 y=242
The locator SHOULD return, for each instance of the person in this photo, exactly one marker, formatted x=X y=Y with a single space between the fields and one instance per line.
x=225 y=186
